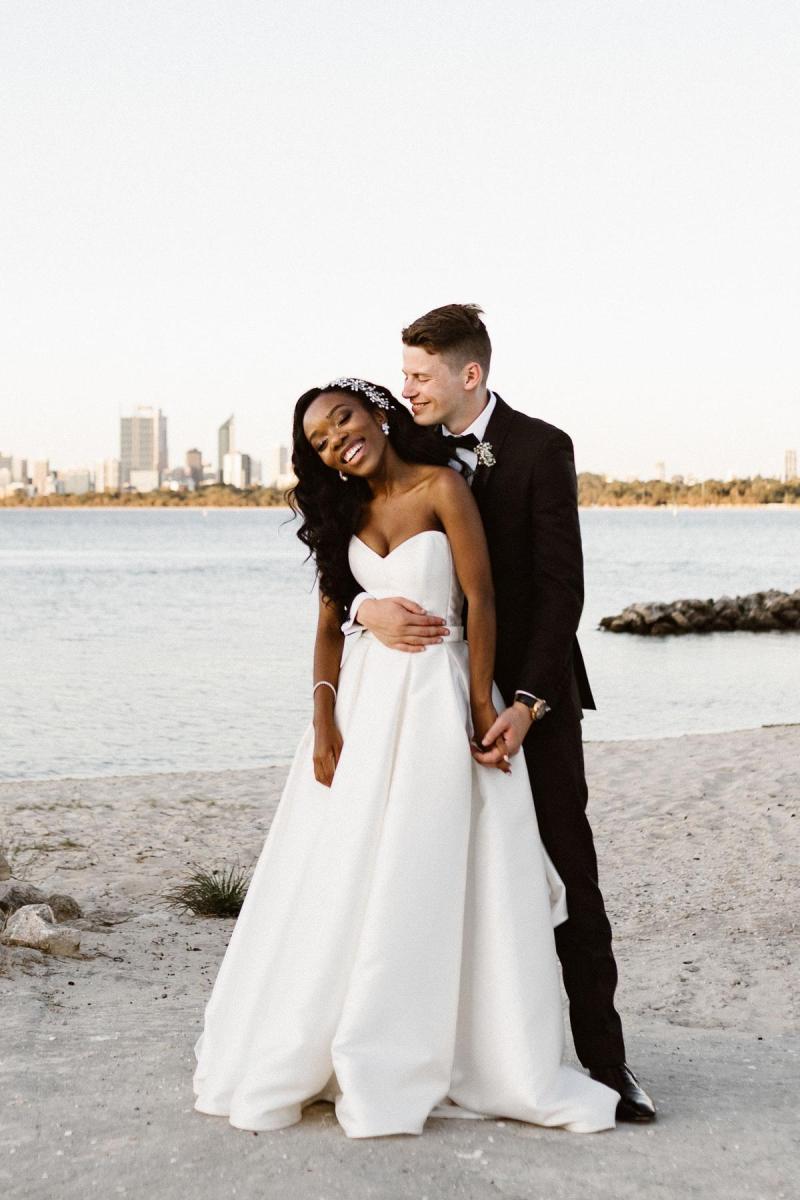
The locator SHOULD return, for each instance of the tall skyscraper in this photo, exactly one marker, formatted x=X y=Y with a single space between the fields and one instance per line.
x=226 y=444
x=194 y=465
x=790 y=466
x=143 y=443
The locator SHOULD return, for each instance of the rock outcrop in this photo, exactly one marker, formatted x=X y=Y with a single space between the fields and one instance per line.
x=65 y=908
x=760 y=612
x=15 y=892
x=34 y=925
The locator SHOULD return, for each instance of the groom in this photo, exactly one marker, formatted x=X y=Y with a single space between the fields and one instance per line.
x=524 y=483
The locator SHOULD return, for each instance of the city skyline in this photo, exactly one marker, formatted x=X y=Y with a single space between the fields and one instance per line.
x=206 y=214
x=143 y=463
x=688 y=458
x=692 y=462
x=276 y=462
x=276 y=457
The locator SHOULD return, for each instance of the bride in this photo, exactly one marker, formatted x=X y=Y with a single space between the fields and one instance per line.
x=395 y=951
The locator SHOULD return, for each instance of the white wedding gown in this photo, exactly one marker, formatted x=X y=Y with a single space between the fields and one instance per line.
x=395 y=951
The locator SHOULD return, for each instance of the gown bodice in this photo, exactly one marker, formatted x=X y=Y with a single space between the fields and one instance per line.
x=421 y=568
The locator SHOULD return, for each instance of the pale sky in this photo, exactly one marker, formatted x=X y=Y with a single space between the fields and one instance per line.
x=212 y=206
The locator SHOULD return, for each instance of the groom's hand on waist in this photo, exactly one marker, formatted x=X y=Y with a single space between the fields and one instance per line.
x=401 y=624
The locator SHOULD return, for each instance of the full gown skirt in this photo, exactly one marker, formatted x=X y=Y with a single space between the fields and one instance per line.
x=394 y=953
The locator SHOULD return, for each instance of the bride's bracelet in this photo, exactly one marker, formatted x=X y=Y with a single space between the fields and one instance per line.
x=324 y=683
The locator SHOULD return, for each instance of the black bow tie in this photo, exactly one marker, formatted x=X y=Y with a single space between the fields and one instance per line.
x=467 y=440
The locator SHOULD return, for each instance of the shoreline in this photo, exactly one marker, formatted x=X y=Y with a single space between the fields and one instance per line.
x=670 y=508
x=283 y=764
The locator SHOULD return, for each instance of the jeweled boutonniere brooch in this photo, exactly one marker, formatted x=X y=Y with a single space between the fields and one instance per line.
x=485 y=454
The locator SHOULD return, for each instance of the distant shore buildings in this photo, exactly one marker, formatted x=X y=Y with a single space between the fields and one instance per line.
x=107 y=475
x=41 y=478
x=226 y=444
x=240 y=470
x=194 y=465
x=13 y=473
x=24 y=479
x=143 y=449
x=234 y=467
x=143 y=465
x=277 y=470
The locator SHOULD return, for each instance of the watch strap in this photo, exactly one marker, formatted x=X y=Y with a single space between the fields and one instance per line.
x=536 y=706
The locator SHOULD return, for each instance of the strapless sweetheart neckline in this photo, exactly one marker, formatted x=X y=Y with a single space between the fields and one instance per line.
x=399 y=546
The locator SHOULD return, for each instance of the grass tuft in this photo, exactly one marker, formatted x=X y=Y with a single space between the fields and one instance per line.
x=217 y=893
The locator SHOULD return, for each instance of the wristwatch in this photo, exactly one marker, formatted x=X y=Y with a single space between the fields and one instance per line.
x=534 y=704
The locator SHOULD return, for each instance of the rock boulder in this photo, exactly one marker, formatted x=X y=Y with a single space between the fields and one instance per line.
x=34 y=925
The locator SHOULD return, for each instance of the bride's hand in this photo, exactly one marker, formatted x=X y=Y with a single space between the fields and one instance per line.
x=327 y=749
x=483 y=717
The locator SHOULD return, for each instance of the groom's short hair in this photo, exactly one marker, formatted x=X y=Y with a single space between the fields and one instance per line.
x=455 y=331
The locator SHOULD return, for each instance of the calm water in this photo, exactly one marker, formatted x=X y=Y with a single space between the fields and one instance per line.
x=164 y=640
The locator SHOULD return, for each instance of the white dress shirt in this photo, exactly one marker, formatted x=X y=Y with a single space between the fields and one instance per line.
x=478 y=427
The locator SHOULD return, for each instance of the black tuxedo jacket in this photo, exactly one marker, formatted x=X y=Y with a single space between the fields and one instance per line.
x=529 y=504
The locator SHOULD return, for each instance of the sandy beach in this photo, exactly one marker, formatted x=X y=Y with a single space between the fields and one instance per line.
x=698 y=844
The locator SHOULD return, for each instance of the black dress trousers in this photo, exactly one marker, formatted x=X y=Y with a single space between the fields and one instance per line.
x=554 y=756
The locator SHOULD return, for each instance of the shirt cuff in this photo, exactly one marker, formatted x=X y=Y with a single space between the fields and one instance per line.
x=351 y=624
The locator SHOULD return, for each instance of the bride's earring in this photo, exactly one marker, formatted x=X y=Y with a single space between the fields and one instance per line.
x=385 y=427
x=343 y=477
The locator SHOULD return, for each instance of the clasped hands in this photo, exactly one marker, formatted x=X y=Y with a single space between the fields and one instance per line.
x=403 y=625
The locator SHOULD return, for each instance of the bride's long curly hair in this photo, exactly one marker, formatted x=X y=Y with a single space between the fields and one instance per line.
x=331 y=508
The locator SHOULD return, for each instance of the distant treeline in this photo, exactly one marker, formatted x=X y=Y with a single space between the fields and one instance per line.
x=592 y=490
x=218 y=495
x=597 y=489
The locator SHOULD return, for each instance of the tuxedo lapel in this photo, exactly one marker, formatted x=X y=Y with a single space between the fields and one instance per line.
x=496 y=433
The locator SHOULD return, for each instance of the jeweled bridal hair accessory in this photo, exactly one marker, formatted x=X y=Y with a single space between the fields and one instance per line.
x=369 y=390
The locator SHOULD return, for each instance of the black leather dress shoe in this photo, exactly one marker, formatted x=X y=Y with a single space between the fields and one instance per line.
x=634 y=1102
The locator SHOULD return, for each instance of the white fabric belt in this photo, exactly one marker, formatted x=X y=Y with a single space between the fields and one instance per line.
x=456 y=633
